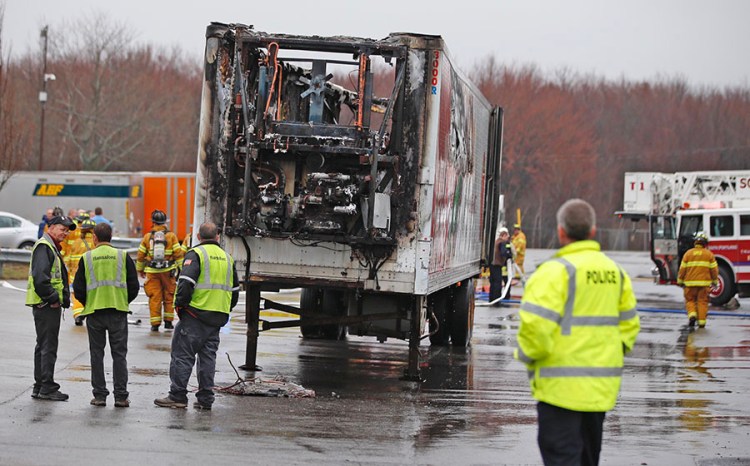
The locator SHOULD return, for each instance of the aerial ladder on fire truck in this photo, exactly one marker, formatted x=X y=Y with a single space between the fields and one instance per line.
x=677 y=205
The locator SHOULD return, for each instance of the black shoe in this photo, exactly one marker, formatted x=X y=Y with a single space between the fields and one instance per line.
x=122 y=403
x=98 y=401
x=54 y=396
x=168 y=325
x=691 y=321
x=35 y=393
x=154 y=328
x=201 y=406
x=79 y=321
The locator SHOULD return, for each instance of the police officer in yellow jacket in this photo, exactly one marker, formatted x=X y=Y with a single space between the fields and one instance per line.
x=698 y=274
x=105 y=283
x=578 y=319
x=47 y=294
x=207 y=289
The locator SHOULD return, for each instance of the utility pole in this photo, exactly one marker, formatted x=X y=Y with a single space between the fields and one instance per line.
x=43 y=94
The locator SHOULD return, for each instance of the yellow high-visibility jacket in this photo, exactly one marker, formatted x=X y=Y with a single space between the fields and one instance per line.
x=578 y=319
x=519 y=242
x=698 y=268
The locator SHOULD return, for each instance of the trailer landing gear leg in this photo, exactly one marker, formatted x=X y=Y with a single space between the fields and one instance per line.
x=411 y=373
x=252 y=316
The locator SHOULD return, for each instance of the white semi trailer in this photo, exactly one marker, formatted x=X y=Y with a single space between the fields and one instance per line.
x=383 y=209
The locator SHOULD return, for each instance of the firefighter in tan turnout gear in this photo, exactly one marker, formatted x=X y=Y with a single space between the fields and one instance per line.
x=698 y=274
x=72 y=252
x=157 y=260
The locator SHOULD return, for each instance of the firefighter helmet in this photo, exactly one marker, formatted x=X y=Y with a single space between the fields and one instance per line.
x=158 y=217
x=700 y=237
x=87 y=224
x=57 y=212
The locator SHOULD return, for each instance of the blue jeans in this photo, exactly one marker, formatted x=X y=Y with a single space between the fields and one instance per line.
x=193 y=338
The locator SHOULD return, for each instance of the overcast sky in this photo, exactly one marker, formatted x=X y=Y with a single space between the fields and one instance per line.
x=704 y=42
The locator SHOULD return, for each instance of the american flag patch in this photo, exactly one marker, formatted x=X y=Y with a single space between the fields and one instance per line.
x=187 y=262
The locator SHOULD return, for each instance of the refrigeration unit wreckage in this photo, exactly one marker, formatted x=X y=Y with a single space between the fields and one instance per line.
x=382 y=208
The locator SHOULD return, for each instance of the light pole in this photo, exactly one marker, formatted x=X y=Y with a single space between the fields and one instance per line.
x=43 y=94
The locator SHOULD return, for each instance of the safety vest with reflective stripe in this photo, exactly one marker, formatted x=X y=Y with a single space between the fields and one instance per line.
x=698 y=268
x=213 y=289
x=55 y=274
x=578 y=318
x=106 y=279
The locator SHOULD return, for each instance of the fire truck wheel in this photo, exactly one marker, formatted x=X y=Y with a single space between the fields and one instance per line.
x=439 y=331
x=727 y=288
x=462 y=319
x=310 y=300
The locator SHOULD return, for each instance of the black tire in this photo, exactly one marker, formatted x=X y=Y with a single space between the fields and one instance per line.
x=462 y=318
x=440 y=305
x=27 y=245
x=331 y=305
x=309 y=300
x=727 y=287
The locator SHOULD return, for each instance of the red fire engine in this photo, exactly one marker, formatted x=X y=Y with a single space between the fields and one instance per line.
x=677 y=205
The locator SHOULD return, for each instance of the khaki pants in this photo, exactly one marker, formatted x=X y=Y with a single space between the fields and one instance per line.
x=696 y=302
x=159 y=288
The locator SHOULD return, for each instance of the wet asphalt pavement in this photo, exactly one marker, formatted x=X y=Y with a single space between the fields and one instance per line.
x=684 y=399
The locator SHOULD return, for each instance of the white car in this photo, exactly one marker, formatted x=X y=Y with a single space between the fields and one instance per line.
x=17 y=232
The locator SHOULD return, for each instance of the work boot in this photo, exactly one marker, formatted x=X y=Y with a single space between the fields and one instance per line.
x=168 y=402
x=168 y=325
x=35 y=392
x=701 y=324
x=79 y=321
x=154 y=328
x=57 y=395
x=122 y=403
x=99 y=401
x=201 y=406
x=691 y=321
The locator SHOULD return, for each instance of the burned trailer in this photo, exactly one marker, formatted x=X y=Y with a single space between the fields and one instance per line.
x=381 y=208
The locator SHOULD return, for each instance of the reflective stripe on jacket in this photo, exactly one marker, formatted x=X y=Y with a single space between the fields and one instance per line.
x=698 y=268
x=213 y=289
x=56 y=280
x=172 y=252
x=106 y=279
x=578 y=317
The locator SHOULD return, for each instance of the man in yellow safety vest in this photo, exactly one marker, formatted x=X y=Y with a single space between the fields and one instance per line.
x=207 y=290
x=48 y=294
x=105 y=283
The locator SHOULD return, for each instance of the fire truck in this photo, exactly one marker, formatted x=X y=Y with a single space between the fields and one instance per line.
x=677 y=205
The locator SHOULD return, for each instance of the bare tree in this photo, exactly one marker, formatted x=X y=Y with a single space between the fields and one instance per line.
x=12 y=136
x=106 y=100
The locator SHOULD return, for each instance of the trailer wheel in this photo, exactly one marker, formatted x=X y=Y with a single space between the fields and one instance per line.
x=726 y=290
x=331 y=305
x=462 y=318
x=309 y=300
x=439 y=325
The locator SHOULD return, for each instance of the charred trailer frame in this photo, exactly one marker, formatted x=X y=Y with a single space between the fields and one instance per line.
x=382 y=208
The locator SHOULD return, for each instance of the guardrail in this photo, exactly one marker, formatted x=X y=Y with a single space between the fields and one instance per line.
x=23 y=256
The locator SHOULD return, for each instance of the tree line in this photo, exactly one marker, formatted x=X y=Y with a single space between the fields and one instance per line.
x=118 y=105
